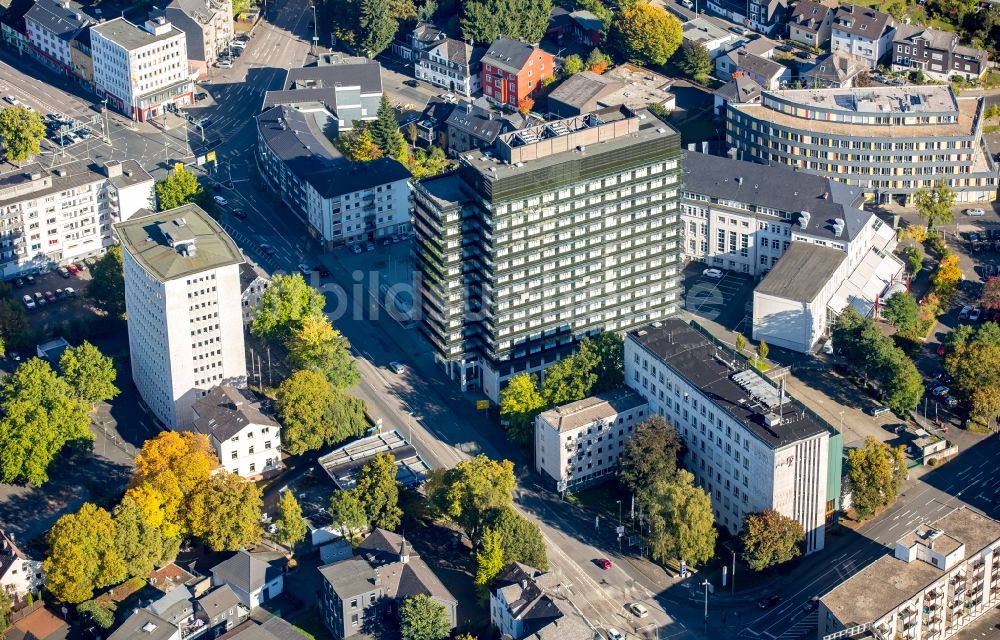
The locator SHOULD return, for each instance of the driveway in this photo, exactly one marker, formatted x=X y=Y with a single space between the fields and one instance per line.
x=725 y=300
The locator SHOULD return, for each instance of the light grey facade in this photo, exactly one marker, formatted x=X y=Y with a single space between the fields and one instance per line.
x=890 y=141
x=561 y=231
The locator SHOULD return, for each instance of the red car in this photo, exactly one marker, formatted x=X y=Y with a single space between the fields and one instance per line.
x=604 y=563
x=73 y=269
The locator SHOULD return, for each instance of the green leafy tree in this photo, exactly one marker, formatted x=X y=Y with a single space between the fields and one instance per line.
x=520 y=539
x=934 y=204
x=947 y=276
x=650 y=455
x=377 y=26
x=902 y=384
x=695 y=62
x=597 y=61
x=40 y=417
x=914 y=257
x=572 y=378
x=14 y=328
x=107 y=284
x=741 y=343
x=316 y=345
x=469 y=491
x=378 y=492
x=385 y=130
x=876 y=471
x=314 y=414
x=103 y=614
x=347 y=513
x=359 y=144
x=82 y=555
x=179 y=188
x=6 y=608
x=975 y=365
x=225 y=512
x=90 y=374
x=901 y=310
x=763 y=350
x=520 y=403
x=644 y=34
x=681 y=526
x=486 y=20
x=770 y=538
x=421 y=618
x=241 y=6
x=290 y=525
x=286 y=303
x=21 y=134
x=609 y=347
x=984 y=403
x=489 y=560
x=140 y=545
x=990 y=298
x=572 y=65
x=426 y=163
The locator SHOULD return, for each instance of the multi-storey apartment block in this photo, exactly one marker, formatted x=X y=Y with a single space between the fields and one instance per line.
x=936 y=53
x=208 y=25
x=52 y=26
x=939 y=579
x=560 y=231
x=349 y=88
x=513 y=70
x=64 y=214
x=580 y=443
x=764 y=16
x=809 y=23
x=141 y=70
x=185 y=321
x=452 y=65
x=748 y=444
x=862 y=32
x=339 y=200
x=890 y=141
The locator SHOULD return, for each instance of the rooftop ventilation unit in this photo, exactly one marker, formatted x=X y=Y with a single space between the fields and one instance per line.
x=804 y=219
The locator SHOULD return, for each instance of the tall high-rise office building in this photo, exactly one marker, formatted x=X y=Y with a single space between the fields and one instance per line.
x=559 y=231
x=185 y=318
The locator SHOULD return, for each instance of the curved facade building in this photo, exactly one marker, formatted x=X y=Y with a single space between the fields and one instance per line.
x=890 y=141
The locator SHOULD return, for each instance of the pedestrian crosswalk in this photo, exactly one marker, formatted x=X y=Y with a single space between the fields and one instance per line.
x=804 y=627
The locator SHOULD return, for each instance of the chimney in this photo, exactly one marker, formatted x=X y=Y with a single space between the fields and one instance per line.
x=404 y=552
x=112 y=168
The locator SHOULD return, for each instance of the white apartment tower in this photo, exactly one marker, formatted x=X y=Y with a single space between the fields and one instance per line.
x=64 y=214
x=141 y=70
x=185 y=320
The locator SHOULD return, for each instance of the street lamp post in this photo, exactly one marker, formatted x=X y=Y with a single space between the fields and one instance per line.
x=733 y=576
x=706 y=584
x=619 y=511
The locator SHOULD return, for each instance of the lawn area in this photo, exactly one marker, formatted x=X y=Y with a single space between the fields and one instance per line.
x=914 y=11
x=309 y=624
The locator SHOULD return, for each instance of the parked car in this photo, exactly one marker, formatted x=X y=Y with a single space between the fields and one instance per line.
x=356 y=248
x=951 y=401
x=768 y=601
x=60 y=294
x=73 y=269
x=304 y=269
x=878 y=410
x=964 y=313
x=70 y=292
x=64 y=272
x=219 y=200
x=974 y=314
x=975 y=212
x=11 y=100
x=39 y=299
x=29 y=280
x=29 y=302
x=18 y=283
x=940 y=391
x=51 y=297
x=411 y=83
x=201 y=95
x=828 y=347
x=224 y=64
x=238 y=44
x=713 y=273
x=396 y=367
x=615 y=634
x=638 y=610
x=604 y=563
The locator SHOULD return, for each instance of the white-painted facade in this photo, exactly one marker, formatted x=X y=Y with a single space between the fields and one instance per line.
x=19 y=574
x=141 y=69
x=64 y=214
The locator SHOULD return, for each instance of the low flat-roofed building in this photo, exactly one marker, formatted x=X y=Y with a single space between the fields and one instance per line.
x=939 y=578
x=342 y=464
x=643 y=87
x=708 y=34
x=580 y=443
x=750 y=446
x=581 y=93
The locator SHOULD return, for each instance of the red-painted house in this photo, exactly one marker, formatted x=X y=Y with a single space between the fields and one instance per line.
x=513 y=70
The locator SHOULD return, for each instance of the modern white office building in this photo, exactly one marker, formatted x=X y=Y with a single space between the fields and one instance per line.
x=141 y=70
x=185 y=320
x=63 y=214
x=748 y=445
x=940 y=577
x=246 y=440
x=580 y=443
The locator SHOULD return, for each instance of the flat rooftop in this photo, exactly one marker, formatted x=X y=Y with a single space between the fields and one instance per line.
x=35 y=181
x=143 y=237
x=130 y=36
x=802 y=272
x=967 y=108
x=886 y=583
x=697 y=359
x=906 y=101
x=343 y=464
x=597 y=407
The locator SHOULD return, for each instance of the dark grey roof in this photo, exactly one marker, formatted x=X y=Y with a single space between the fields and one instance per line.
x=225 y=411
x=436 y=110
x=693 y=356
x=802 y=272
x=249 y=272
x=367 y=75
x=426 y=32
x=587 y=20
x=274 y=628
x=809 y=15
x=63 y=22
x=296 y=137
x=835 y=68
x=756 y=64
x=67 y=176
x=146 y=625
x=936 y=39
x=9 y=553
x=458 y=52
x=779 y=188
x=349 y=577
x=509 y=55
x=740 y=90
x=475 y=122
x=245 y=571
x=862 y=21
x=580 y=89
x=175 y=605
x=219 y=600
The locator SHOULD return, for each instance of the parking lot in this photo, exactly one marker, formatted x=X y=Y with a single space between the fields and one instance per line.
x=724 y=300
x=386 y=272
